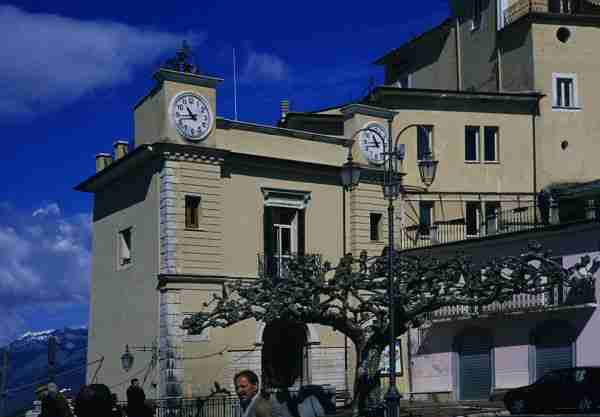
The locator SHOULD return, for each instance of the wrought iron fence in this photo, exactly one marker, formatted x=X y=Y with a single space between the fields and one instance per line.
x=216 y=406
x=440 y=232
x=273 y=265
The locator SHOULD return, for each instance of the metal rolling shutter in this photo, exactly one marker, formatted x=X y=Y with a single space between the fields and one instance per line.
x=552 y=356
x=475 y=367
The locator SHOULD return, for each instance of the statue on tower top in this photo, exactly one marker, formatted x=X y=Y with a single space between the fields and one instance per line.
x=182 y=61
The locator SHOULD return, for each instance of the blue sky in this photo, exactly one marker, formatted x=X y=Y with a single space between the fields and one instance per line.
x=71 y=71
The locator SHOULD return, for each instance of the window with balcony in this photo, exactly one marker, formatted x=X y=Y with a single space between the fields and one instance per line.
x=403 y=81
x=375 y=221
x=472 y=143
x=472 y=209
x=425 y=218
x=284 y=230
x=565 y=91
x=424 y=142
x=490 y=144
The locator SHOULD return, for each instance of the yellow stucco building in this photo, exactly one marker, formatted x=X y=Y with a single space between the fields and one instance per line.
x=198 y=200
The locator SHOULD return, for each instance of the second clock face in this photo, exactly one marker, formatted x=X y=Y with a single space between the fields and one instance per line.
x=373 y=142
x=191 y=115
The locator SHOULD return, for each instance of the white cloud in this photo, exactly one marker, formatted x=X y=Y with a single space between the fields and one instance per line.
x=50 y=208
x=44 y=264
x=50 y=60
x=263 y=66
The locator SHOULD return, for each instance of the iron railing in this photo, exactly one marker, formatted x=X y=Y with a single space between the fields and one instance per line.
x=523 y=7
x=274 y=265
x=215 y=406
x=507 y=221
x=557 y=297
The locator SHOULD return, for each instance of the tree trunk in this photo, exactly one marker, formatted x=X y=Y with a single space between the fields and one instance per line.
x=367 y=391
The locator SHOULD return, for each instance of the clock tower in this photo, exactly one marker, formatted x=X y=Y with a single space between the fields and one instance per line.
x=181 y=108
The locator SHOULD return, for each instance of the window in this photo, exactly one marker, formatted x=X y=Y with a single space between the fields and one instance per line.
x=562 y=6
x=565 y=91
x=472 y=217
x=124 y=248
x=424 y=142
x=375 y=223
x=192 y=212
x=490 y=144
x=472 y=143
x=403 y=81
x=425 y=217
x=284 y=230
x=476 y=17
x=492 y=211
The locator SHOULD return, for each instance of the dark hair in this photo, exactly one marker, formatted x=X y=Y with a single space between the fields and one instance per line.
x=135 y=380
x=249 y=375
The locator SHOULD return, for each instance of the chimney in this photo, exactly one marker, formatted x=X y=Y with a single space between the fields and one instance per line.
x=285 y=108
x=121 y=147
x=103 y=160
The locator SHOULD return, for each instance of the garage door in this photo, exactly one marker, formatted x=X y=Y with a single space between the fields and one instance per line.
x=475 y=364
x=553 y=348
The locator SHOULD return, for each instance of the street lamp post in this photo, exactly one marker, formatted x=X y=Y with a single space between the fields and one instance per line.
x=127 y=357
x=392 y=188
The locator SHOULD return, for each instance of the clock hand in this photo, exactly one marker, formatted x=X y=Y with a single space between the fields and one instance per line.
x=192 y=115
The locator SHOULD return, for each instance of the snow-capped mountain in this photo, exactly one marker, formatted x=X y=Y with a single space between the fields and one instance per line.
x=28 y=366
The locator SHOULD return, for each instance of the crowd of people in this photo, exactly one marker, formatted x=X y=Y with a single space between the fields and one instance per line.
x=94 y=400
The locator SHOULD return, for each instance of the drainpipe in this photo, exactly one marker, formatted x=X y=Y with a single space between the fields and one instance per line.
x=533 y=124
x=344 y=254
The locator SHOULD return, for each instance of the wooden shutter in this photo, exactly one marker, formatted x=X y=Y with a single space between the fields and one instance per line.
x=301 y=232
x=269 y=244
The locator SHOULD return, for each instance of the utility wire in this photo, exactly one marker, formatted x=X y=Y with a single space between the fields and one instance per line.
x=40 y=381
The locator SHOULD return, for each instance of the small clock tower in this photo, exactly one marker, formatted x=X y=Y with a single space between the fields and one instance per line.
x=181 y=108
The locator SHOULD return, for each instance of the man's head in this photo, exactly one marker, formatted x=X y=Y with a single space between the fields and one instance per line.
x=135 y=382
x=41 y=391
x=246 y=385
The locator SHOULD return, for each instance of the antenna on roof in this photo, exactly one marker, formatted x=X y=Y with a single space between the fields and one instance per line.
x=235 y=111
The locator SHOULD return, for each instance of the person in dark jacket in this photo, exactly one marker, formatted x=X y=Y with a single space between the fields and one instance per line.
x=54 y=404
x=93 y=401
x=136 y=399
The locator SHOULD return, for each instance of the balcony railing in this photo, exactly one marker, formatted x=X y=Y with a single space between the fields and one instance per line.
x=507 y=221
x=273 y=265
x=558 y=297
x=523 y=7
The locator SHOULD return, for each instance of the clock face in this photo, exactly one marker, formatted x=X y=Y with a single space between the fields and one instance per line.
x=191 y=115
x=373 y=142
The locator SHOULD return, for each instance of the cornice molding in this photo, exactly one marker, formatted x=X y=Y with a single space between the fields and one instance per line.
x=353 y=109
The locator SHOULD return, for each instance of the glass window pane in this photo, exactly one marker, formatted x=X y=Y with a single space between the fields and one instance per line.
x=423 y=142
x=286 y=241
x=491 y=135
x=471 y=139
x=471 y=218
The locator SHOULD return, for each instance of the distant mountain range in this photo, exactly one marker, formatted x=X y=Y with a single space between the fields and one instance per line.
x=28 y=366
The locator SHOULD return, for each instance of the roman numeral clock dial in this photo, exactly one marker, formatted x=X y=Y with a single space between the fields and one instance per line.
x=373 y=142
x=191 y=115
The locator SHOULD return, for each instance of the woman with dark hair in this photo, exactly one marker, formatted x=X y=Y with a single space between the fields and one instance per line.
x=94 y=400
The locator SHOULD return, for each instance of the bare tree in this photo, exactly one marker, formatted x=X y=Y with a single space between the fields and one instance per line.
x=352 y=297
